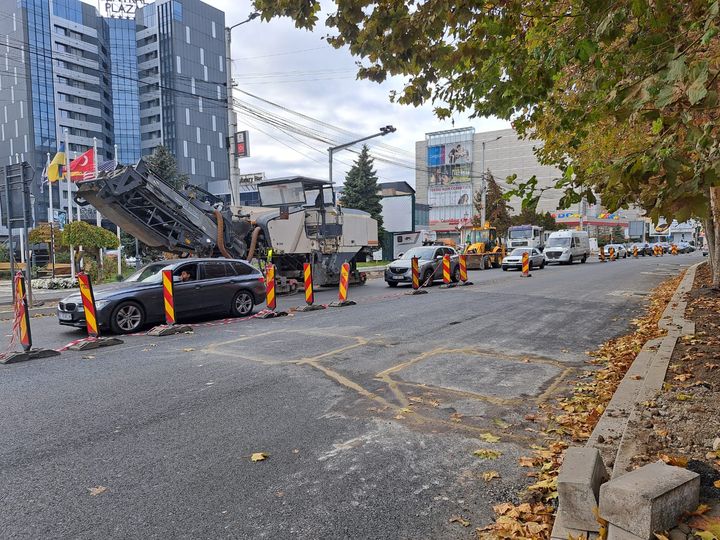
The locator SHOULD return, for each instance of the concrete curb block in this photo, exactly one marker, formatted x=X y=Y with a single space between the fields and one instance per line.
x=641 y=382
x=673 y=320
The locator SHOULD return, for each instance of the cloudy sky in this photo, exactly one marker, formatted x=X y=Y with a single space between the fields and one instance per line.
x=298 y=70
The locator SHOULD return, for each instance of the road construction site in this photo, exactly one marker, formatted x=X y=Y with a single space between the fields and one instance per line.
x=369 y=415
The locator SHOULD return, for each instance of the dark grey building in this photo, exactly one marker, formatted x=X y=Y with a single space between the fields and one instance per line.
x=130 y=84
x=181 y=63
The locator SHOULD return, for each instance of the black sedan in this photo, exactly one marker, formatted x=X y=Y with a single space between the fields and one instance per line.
x=202 y=287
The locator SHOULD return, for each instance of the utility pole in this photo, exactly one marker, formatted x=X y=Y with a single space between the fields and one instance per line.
x=232 y=116
x=483 y=187
x=381 y=133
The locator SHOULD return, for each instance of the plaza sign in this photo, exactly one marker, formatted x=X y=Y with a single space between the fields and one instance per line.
x=123 y=9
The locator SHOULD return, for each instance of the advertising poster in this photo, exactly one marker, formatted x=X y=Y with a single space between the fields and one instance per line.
x=450 y=203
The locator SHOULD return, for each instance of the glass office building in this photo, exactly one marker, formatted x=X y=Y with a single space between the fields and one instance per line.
x=131 y=83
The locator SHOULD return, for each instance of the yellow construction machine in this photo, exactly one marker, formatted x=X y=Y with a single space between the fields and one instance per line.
x=483 y=247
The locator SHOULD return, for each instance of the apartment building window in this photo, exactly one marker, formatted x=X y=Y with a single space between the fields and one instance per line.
x=200 y=104
x=187 y=117
x=213 y=29
x=208 y=152
x=212 y=169
x=185 y=150
x=221 y=63
x=187 y=35
x=192 y=165
x=202 y=56
x=179 y=64
x=197 y=134
x=214 y=123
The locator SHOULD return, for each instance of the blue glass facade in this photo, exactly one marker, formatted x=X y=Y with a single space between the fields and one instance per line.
x=126 y=101
x=68 y=9
x=43 y=97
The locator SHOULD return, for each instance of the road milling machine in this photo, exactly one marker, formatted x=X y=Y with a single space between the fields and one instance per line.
x=298 y=222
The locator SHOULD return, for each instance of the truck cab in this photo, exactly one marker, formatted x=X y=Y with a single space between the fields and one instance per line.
x=525 y=236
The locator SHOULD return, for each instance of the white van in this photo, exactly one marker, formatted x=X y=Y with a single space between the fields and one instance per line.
x=565 y=247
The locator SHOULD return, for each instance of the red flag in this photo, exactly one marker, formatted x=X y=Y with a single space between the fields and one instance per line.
x=82 y=164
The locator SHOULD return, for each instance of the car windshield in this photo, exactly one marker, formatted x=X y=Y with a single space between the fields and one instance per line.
x=559 y=242
x=148 y=274
x=521 y=233
x=424 y=253
x=519 y=251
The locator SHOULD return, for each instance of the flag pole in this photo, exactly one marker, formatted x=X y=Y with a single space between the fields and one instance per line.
x=98 y=217
x=69 y=202
x=119 y=260
x=51 y=216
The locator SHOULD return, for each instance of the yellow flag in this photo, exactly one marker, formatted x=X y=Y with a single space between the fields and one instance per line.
x=58 y=161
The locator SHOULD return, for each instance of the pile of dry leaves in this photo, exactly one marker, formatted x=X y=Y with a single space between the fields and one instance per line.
x=571 y=419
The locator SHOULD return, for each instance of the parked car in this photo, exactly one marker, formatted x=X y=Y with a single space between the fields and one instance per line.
x=201 y=286
x=620 y=251
x=514 y=260
x=643 y=248
x=685 y=247
x=429 y=265
x=565 y=247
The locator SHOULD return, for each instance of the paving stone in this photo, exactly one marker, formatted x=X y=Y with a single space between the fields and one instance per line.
x=579 y=481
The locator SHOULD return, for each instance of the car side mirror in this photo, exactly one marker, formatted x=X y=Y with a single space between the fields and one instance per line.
x=437 y=257
x=176 y=279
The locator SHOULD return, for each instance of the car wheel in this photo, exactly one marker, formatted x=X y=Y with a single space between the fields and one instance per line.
x=392 y=283
x=126 y=318
x=504 y=268
x=427 y=279
x=530 y=266
x=584 y=259
x=242 y=304
x=456 y=275
x=542 y=265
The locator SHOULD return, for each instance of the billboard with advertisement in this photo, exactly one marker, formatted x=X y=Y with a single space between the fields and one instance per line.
x=456 y=153
x=449 y=174
x=450 y=204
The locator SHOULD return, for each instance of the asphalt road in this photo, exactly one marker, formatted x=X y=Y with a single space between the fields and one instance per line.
x=370 y=414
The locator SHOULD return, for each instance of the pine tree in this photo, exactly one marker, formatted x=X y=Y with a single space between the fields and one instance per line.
x=163 y=164
x=361 y=188
x=498 y=209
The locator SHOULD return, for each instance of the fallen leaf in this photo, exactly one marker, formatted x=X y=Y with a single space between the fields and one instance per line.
x=710 y=366
x=489 y=475
x=405 y=410
x=489 y=437
x=97 y=490
x=484 y=453
x=682 y=377
x=677 y=461
x=683 y=397
x=258 y=456
x=716 y=483
x=189 y=349
x=461 y=520
x=661 y=536
x=635 y=377
x=502 y=424
x=527 y=462
x=88 y=357
x=662 y=432
x=399 y=417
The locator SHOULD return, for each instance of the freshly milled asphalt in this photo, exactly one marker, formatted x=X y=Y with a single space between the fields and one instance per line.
x=369 y=414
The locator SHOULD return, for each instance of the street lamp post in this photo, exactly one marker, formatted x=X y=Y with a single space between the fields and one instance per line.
x=232 y=117
x=381 y=133
x=484 y=183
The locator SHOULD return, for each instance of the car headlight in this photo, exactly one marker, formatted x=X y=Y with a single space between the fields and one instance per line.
x=99 y=304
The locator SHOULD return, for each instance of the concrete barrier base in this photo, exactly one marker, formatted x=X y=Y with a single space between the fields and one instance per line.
x=448 y=285
x=465 y=283
x=269 y=314
x=416 y=291
x=32 y=354
x=313 y=307
x=95 y=344
x=170 y=330
x=344 y=303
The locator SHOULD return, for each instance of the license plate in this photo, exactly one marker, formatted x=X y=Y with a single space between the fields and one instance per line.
x=397 y=277
x=65 y=316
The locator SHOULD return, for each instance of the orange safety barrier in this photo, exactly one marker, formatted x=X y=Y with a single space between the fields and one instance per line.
x=88 y=299
x=22 y=315
x=270 y=287
x=674 y=249
x=307 y=274
x=525 y=265
x=635 y=252
x=342 y=300
x=462 y=260
x=168 y=296
x=446 y=269
x=602 y=254
x=415 y=273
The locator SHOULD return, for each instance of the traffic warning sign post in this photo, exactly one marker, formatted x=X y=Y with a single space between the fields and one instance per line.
x=310 y=304
x=342 y=300
x=21 y=327
x=447 y=277
x=93 y=340
x=270 y=295
x=168 y=294
x=416 y=285
x=462 y=262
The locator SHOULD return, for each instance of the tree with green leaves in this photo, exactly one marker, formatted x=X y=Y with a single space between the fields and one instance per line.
x=163 y=164
x=361 y=189
x=498 y=210
x=623 y=94
x=90 y=237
